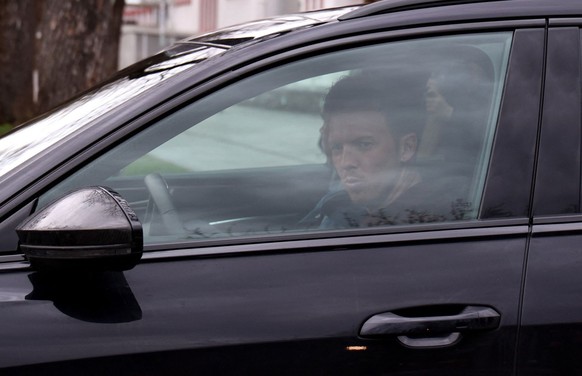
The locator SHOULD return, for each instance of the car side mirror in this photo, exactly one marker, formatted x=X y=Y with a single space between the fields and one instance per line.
x=90 y=229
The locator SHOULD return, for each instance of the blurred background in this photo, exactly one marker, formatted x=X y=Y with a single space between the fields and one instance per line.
x=52 y=50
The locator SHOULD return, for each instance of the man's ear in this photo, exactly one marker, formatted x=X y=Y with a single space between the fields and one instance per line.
x=408 y=145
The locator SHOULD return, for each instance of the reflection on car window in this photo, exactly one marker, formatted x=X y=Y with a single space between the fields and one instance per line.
x=278 y=129
x=26 y=142
x=391 y=134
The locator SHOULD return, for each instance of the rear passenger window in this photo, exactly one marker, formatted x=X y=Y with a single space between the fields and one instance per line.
x=390 y=134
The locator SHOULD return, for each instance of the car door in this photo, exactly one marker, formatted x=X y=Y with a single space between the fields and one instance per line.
x=255 y=284
x=550 y=337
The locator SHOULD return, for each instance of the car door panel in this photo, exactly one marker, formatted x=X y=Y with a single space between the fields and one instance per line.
x=240 y=305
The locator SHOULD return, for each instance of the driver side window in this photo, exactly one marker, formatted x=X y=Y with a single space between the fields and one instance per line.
x=390 y=134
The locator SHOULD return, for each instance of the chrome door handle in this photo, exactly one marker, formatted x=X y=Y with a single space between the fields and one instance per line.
x=432 y=330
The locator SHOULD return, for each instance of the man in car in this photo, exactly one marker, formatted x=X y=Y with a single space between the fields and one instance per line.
x=370 y=136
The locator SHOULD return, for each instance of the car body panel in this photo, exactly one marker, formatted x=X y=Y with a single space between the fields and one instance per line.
x=276 y=299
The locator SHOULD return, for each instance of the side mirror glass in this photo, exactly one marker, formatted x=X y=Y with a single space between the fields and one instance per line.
x=90 y=229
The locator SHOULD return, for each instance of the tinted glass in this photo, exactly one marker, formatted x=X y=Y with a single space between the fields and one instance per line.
x=390 y=134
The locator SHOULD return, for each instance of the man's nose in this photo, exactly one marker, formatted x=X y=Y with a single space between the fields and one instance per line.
x=348 y=158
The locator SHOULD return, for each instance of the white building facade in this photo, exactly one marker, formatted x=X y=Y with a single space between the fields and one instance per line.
x=150 y=25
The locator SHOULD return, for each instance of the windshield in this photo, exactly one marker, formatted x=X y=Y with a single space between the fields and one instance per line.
x=29 y=140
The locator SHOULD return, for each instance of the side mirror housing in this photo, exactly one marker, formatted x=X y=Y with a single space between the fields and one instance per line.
x=90 y=229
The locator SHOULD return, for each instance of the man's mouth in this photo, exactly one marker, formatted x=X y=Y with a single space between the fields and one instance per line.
x=352 y=181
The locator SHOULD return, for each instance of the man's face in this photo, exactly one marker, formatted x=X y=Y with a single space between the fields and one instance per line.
x=365 y=155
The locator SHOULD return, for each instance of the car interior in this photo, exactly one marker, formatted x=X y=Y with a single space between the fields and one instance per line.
x=246 y=159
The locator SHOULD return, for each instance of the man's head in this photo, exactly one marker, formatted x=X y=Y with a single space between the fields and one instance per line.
x=370 y=132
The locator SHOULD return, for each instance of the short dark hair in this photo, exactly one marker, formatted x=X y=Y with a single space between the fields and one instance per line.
x=399 y=98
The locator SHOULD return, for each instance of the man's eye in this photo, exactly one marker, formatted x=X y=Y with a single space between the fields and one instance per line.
x=336 y=148
x=365 y=145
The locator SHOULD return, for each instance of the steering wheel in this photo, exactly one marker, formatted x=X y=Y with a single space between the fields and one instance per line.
x=160 y=194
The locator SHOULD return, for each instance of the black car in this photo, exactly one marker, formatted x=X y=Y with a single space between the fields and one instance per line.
x=386 y=189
